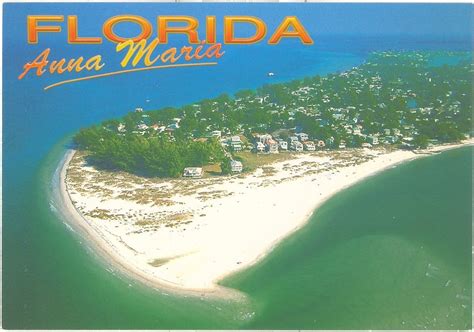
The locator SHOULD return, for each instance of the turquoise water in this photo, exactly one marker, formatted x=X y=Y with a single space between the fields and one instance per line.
x=378 y=255
x=391 y=252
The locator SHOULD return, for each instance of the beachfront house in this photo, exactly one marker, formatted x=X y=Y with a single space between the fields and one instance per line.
x=236 y=143
x=282 y=144
x=259 y=147
x=236 y=166
x=366 y=145
x=321 y=144
x=342 y=144
x=309 y=146
x=390 y=139
x=374 y=140
x=292 y=139
x=296 y=146
x=138 y=110
x=264 y=138
x=302 y=137
x=192 y=172
x=271 y=146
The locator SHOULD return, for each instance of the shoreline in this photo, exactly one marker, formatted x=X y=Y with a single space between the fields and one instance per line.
x=184 y=264
x=78 y=222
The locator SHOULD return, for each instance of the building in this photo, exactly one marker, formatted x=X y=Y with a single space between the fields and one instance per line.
x=366 y=145
x=142 y=126
x=292 y=139
x=302 y=137
x=321 y=144
x=271 y=146
x=139 y=110
x=296 y=146
x=374 y=140
x=264 y=138
x=216 y=133
x=282 y=144
x=235 y=143
x=260 y=147
x=342 y=144
x=192 y=172
x=236 y=166
x=309 y=146
x=390 y=139
x=121 y=128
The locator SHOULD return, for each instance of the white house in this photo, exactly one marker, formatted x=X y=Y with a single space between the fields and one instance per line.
x=139 y=110
x=272 y=146
x=309 y=146
x=236 y=166
x=283 y=144
x=236 y=143
x=121 y=128
x=192 y=172
x=302 y=137
x=260 y=147
x=342 y=144
x=142 y=126
x=296 y=146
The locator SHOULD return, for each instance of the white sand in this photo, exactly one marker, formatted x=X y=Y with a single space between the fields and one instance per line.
x=228 y=232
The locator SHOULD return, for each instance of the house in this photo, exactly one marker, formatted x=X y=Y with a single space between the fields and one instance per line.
x=192 y=172
x=139 y=110
x=292 y=139
x=302 y=137
x=309 y=146
x=173 y=126
x=342 y=144
x=236 y=166
x=142 y=126
x=296 y=146
x=390 y=139
x=260 y=147
x=216 y=133
x=264 y=138
x=236 y=143
x=121 y=128
x=366 y=145
x=321 y=144
x=282 y=144
x=374 y=140
x=271 y=146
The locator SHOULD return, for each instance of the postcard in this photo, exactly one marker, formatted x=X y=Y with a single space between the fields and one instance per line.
x=237 y=166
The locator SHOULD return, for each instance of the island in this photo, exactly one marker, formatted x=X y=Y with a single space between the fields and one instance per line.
x=183 y=197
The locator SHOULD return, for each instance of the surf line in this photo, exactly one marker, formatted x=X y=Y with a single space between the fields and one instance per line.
x=119 y=72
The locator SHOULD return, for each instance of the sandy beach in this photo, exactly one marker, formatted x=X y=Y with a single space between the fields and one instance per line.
x=188 y=234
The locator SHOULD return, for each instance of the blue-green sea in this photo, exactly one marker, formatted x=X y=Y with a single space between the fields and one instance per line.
x=393 y=251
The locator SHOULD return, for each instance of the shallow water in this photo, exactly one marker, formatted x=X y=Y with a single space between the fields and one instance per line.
x=393 y=251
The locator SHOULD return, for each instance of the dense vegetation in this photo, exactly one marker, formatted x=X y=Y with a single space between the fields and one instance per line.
x=407 y=99
x=149 y=157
